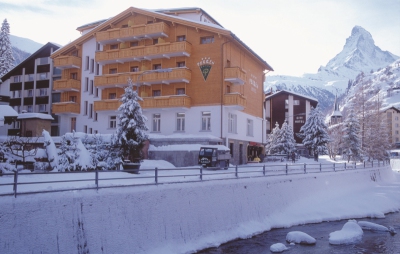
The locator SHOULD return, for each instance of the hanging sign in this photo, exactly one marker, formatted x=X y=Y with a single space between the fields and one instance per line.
x=205 y=66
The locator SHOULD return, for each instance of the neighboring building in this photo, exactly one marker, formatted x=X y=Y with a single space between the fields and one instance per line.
x=285 y=105
x=29 y=86
x=195 y=77
x=336 y=116
x=393 y=120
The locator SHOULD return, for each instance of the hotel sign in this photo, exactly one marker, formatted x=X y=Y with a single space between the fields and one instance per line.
x=205 y=66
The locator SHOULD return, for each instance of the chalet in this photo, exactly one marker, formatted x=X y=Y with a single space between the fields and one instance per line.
x=393 y=120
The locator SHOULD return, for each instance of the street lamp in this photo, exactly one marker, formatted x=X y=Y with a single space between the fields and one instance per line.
x=150 y=71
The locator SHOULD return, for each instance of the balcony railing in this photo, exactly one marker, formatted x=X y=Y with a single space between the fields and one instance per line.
x=235 y=75
x=65 y=108
x=173 y=101
x=107 y=105
x=137 y=32
x=67 y=62
x=164 y=50
x=65 y=85
x=235 y=100
x=121 y=79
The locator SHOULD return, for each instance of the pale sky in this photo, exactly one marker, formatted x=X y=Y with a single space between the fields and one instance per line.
x=293 y=36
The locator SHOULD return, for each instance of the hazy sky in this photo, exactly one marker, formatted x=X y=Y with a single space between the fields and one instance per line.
x=293 y=36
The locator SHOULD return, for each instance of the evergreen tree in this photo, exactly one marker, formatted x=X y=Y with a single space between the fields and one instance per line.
x=271 y=146
x=131 y=131
x=286 y=142
x=6 y=56
x=68 y=153
x=351 y=139
x=314 y=132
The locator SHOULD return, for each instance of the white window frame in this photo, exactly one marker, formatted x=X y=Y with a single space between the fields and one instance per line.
x=42 y=107
x=112 y=122
x=250 y=126
x=156 y=123
x=206 y=121
x=232 y=123
x=29 y=108
x=42 y=91
x=91 y=110
x=180 y=121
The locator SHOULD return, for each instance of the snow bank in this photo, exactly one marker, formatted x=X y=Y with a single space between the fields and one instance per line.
x=350 y=233
x=300 y=237
x=278 y=248
x=366 y=225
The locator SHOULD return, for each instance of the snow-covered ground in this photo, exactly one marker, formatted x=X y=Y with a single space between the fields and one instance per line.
x=185 y=217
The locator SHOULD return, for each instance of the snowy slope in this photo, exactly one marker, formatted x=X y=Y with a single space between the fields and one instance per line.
x=25 y=44
x=359 y=54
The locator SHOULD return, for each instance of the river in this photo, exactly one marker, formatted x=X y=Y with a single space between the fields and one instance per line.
x=372 y=241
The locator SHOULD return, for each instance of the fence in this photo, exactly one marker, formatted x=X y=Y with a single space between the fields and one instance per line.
x=84 y=180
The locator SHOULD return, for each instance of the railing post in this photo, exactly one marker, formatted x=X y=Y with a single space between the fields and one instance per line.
x=236 y=171
x=96 y=180
x=305 y=171
x=334 y=169
x=264 y=170
x=345 y=166
x=320 y=167
x=372 y=163
x=364 y=164
x=379 y=163
x=156 y=175
x=355 y=165
x=15 y=183
x=286 y=169
x=201 y=173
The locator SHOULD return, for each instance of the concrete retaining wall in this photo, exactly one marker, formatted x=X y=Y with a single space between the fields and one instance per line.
x=169 y=218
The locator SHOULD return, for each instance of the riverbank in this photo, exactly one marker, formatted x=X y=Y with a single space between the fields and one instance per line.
x=186 y=217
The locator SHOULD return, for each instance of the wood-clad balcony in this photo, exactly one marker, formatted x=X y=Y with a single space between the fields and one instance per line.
x=173 y=101
x=235 y=100
x=67 y=62
x=65 y=108
x=107 y=105
x=235 y=75
x=133 y=33
x=66 y=85
x=176 y=75
x=140 y=53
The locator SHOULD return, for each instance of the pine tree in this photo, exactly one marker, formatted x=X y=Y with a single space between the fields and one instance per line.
x=131 y=131
x=314 y=132
x=286 y=142
x=68 y=153
x=351 y=139
x=271 y=146
x=6 y=56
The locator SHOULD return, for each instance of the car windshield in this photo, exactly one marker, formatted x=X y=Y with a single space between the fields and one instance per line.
x=206 y=151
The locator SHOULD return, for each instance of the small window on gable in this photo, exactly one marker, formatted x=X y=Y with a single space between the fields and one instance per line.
x=181 y=38
x=206 y=39
x=74 y=53
x=114 y=46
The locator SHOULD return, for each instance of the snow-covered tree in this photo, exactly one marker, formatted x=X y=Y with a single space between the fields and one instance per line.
x=286 y=142
x=351 y=139
x=271 y=146
x=335 y=133
x=51 y=150
x=6 y=56
x=72 y=155
x=103 y=154
x=314 y=132
x=131 y=130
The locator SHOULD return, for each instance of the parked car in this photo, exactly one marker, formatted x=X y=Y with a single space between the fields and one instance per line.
x=215 y=157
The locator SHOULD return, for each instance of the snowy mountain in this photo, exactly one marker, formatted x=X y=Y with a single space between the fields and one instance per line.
x=23 y=48
x=359 y=54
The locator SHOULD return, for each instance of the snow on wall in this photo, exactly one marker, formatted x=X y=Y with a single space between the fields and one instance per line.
x=174 y=218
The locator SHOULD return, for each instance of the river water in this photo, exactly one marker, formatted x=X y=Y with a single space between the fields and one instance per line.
x=372 y=241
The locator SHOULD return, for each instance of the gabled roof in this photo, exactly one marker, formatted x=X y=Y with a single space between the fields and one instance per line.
x=215 y=28
x=90 y=25
x=33 y=56
x=292 y=93
x=394 y=108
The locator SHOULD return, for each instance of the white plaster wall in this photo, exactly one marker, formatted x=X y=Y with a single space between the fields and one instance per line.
x=170 y=218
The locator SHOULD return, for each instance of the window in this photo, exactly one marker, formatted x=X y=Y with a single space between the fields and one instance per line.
x=155 y=41
x=18 y=109
x=30 y=93
x=396 y=118
x=206 y=121
x=206 y=39
x=17 y=79
x=232 y=123
x=87 y=63
x=43 y=76
x=17 y=94
x=43 y=92
x=29 y=108
x=228 y=89
x=91 y=65
x=112 y=96
x=74 y=53
x=112 y=122
x=249 y=127
x=85 y=108
x=85 y=128
x=43 y=60
x=96 y=92
x=72 y=98
x=42 y=107
x=181 y=38
x=73 y=124
x=97 y=69
x=180 y=121
x=286 y=103
x=91 y=87
x=17 y=125
x=31 y=77
x=156 y=122
x=90 y=110
x=113 y=70
x=134 y=68
x=134 y=43
x=74 y=75
x=114 y=46
x=156 y=93
x=95 y=116
x=156 y=66
x=86 y=84
x=90 y=131
x=296 y=102
x=180 y=91
x=98 y=46
x=180 y=64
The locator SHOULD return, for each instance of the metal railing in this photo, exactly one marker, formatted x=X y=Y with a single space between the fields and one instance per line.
x=93 y=179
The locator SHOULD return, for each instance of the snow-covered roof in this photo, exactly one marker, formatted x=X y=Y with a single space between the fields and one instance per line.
x=290 y=92
x=35 y=115
x=7 y=111
x=336 y=113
